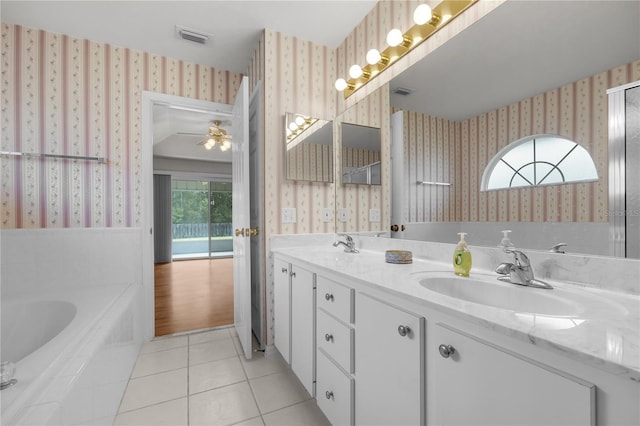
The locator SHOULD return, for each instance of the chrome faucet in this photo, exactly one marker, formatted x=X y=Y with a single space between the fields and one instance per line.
x=349 y=245
x=519 y=272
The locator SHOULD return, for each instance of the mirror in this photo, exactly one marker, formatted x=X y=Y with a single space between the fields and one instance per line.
x=497 y=81
x=308 y=148
x=361 y=161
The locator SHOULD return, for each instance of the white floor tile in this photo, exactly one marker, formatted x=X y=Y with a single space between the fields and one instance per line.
x=261 y=365
x=149 y=390
x=170 y=413
x=164 y=343
x=256 y=421
x=215 y=374
x=303 y=414
x=158 y=362
x=207 y=336
x=277 y=391
x=223 y=406
x=211 y=351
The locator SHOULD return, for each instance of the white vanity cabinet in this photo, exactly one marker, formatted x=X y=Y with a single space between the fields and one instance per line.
x=389 y=364
x=479 y=383
x=294 y=319
x=335 y=343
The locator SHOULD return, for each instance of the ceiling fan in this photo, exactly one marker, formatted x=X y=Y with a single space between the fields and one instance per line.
x=215 y=136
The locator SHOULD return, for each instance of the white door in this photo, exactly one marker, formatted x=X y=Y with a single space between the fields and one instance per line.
x=241 y=218
x=398 y=186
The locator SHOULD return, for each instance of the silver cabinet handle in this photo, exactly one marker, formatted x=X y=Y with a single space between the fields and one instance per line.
x=446 y=350
x=293 y=274
x=328 y=297
x=284 y=270
x=403 y=330
x=328 y=394
x=328 y=337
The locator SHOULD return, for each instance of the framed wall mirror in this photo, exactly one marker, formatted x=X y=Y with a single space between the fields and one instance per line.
x=471 y=105
x=361 y=155
x=308 y=148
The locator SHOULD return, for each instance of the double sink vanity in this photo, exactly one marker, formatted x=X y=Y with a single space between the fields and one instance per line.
x=414 y=344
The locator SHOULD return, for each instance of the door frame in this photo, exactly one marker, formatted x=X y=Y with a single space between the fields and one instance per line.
x=146 y=189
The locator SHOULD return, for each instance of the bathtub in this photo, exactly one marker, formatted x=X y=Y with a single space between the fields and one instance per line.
x=73 y=350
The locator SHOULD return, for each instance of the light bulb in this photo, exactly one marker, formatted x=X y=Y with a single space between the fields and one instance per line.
x=373 y=56
x=210 y=144
x=422 y=14
x=293 y=126
x=299 y=120
x=395 y=37
x=355 y=71
x=225 y=146
x=341 y=84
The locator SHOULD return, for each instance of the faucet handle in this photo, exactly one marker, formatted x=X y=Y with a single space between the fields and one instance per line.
x=521 y=259
x=558 y=248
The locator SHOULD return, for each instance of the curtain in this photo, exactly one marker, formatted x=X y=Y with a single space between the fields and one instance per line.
x=162 y=218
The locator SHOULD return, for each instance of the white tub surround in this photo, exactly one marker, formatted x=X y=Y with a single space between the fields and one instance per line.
x=75 y=373
x=606 y=334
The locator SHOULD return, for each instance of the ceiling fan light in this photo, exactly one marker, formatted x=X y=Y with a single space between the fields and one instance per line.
x=210 y=144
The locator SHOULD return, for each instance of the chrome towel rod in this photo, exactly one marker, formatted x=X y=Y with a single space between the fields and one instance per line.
x=422 y=182
x=100 y=160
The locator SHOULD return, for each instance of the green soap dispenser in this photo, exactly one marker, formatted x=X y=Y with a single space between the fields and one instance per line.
x=462 y=257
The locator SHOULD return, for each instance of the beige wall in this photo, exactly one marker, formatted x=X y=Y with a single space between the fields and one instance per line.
x=63 y=95
x=437 y=149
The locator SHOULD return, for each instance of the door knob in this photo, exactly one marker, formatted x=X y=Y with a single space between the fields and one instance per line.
x=240 y=232
x=252 y=232
x=328 y=297
x=328 y=394
x=284 y=270
x=394 y=228
x=403 y=330
x=446 y=350
x=328 y=337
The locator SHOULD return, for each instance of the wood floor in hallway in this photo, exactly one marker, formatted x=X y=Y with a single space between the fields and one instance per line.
x=193 y=294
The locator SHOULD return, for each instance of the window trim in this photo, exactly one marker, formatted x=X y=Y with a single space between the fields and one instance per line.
x=497 y=158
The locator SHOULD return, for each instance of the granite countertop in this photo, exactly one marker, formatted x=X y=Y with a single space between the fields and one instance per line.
x=601 y=328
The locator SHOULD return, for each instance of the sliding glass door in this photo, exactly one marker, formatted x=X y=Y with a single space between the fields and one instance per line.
x=201 y=219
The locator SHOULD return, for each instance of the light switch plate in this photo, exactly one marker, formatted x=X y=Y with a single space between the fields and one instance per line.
x=289 y=215
x=327 y=216
x=374 y=215
x=343 y=215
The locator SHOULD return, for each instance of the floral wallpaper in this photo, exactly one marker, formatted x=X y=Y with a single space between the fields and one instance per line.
x=62 y=95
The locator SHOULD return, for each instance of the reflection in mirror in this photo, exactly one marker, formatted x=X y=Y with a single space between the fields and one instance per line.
x=308 y=148
x=473 y=105
x=361 y=154
x=539 y=160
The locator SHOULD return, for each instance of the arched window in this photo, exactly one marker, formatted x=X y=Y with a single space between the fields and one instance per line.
x=539 y=160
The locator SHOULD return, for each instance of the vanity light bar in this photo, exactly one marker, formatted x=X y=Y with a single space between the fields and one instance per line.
x=441 y=15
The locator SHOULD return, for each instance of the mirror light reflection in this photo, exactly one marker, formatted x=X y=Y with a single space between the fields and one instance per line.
x=308 y=148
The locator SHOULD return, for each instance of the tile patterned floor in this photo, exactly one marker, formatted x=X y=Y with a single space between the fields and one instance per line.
x=203 y=379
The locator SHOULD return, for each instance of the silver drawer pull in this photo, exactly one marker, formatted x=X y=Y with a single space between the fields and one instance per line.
x=293 y=274
x=446 y=350
x=328 y=394
x=328 y=297
x=328 y=337
x=403 y=330
x=284 y=270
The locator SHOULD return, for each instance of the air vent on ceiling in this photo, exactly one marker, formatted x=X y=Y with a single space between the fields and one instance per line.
x=193 y=35
x=403 y=91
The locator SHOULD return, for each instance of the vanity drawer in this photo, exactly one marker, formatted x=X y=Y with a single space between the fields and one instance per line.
x=336 y=339
x=334 y=392
x=335 y=299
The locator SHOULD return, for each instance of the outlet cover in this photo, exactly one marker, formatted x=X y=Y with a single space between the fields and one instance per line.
x=289 y=215
x=374 y=215
x=327 y=216
x=343 y=215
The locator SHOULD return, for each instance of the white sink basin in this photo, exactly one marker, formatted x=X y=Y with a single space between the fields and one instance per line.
x=487 y=290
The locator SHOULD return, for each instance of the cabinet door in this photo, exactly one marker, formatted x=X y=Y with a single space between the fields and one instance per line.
x=389 y=364
x=303 y=326
x=281 y=308
x=482 y=384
